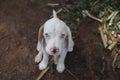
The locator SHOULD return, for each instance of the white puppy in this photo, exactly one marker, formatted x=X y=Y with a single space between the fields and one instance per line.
x=55 y=39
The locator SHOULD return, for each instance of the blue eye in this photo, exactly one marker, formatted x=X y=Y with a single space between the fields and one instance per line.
x=46 y=35
x=62 y=35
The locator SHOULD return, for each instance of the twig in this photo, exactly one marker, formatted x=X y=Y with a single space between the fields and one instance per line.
x=53 y=4
x=103 y=37
x=114 y=60
x=85 y=12
x=45 y=70
x=42 y=73
x=115 y=54
x=114 y=43
x=71 y=74
x=65 y=9
x=57 y=11
x=112 y=17
x=95 y=3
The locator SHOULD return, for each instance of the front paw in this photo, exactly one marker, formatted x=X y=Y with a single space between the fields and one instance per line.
x=38 y=57
x=42 y=65
x=60 y=68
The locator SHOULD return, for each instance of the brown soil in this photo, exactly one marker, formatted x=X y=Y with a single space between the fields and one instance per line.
x=19 y=24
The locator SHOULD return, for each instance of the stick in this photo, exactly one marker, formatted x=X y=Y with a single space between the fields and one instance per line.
x=53 y=4
x=118 y=24
x=57 y=11
x=110 y=16
x=114 y=60
x=72 y=74
x=114 y=43
x=65 y=9
x=115 y=53
x=103 y=37
x=113 y=16
x=44 y=71
x=95 y=3
x=91 y=16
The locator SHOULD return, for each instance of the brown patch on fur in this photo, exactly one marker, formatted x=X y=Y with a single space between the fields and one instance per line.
x=40 y=34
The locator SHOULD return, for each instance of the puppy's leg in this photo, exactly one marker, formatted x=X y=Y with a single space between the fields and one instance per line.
x=38 y=57
x=44 y=62
x=61 y=65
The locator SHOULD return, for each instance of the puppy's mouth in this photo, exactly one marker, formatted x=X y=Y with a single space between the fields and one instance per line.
x=52 y=53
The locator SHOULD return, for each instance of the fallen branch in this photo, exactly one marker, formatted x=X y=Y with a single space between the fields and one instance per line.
x=65 y=8
x=53 y=4
x=95 y=2
x=110 y=47
x=42 y=73
x=72 y=74
x=112 y=17
x=104 y=39
x=85 y=12
x=115 y=54
x=45 y=70
x=114 y=60
x=57 y=11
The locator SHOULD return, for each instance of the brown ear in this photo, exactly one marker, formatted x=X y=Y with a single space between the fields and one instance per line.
x=70 y=41
x=40 y=39
x=40 y=34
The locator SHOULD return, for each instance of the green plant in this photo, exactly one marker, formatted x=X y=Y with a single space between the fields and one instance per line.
x=96 y=31
x=99 y=8
x=76 y=8
x=52 y=68
x=117 y=65
x=105 y=6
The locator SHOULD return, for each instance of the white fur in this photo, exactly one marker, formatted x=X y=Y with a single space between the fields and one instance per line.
x=54 y=28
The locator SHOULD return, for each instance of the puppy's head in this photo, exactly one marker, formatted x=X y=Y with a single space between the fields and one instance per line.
x=55 y=37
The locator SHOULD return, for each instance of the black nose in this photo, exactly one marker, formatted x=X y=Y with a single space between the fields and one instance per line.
x=54 y=51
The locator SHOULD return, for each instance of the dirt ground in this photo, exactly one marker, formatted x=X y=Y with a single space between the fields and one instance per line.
x=19 y=24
